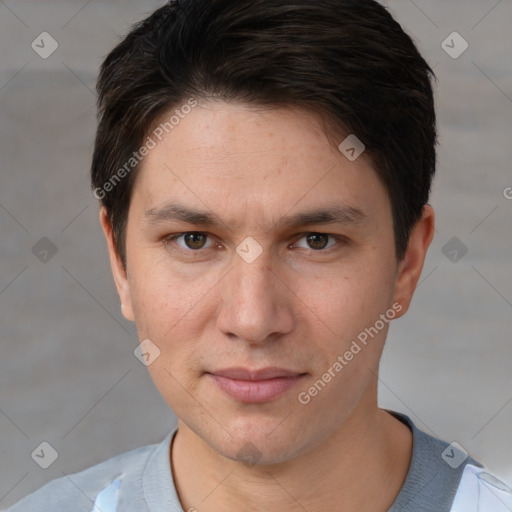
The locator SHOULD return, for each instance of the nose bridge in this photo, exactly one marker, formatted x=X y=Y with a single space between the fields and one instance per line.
x=254 y=279
x=254 y=302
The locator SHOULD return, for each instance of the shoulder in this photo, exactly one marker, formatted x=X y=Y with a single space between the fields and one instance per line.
x=444 y=477
x=481 y=491
x=79 y=491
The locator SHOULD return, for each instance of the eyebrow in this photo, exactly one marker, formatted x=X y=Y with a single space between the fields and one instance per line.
x=334 y=214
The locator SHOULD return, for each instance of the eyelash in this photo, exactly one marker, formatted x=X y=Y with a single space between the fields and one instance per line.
x=338 y=238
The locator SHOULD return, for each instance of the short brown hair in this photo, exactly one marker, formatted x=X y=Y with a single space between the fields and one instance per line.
x=347 y=60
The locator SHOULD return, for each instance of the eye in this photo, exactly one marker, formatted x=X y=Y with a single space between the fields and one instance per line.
x=192 y=240
x=317 y=241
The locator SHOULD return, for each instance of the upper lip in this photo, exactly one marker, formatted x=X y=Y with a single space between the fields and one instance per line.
x=256 y=374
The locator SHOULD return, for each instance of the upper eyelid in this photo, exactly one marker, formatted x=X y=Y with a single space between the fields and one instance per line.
x=301 y=234
x=174 y=236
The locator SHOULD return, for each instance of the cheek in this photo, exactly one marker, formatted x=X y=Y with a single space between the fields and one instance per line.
x=349 y=299
x=164 y=298
x=174 y=311
x=171 y=312
x=342 y=315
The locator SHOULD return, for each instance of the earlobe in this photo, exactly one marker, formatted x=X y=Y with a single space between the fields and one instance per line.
x=410 y=267
x=118 y=270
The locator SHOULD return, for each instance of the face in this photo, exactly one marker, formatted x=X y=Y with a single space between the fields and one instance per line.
x=258 y=257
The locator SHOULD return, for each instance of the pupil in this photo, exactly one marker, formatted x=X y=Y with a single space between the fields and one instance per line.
x=317 y=241
x=193 y=240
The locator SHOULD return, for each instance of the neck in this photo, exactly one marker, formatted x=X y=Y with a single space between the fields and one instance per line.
x=362 y=465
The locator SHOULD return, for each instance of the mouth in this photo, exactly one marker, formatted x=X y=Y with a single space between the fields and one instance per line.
x=255 y=386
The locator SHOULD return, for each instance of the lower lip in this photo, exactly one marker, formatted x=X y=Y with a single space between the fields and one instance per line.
x=255 y=391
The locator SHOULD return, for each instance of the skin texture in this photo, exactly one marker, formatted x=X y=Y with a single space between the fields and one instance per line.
x=292 y=307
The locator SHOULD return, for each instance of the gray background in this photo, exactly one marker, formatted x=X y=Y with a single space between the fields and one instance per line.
x=68 y=375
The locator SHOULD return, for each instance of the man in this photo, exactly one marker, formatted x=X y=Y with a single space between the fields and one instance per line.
x=264 y=169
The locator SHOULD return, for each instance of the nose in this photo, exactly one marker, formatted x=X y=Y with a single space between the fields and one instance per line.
x=256 y=303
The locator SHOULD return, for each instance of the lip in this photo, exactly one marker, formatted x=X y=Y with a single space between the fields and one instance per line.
x=255 y=386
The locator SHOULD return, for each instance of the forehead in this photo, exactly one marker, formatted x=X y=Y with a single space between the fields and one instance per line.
x=244 y=161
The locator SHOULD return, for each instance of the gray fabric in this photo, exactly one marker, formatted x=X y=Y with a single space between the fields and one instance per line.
x=431 y=484
x=147 y=482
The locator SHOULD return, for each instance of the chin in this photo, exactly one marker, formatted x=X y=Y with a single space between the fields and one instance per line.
x=260 y=443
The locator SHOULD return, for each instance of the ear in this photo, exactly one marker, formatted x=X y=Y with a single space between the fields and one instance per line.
x=118 y=270
x=410 y=267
